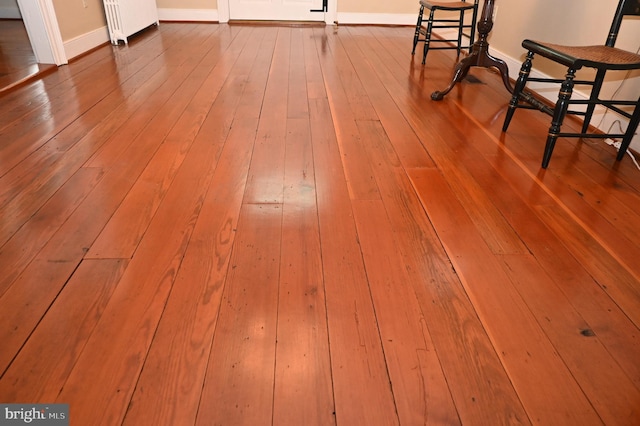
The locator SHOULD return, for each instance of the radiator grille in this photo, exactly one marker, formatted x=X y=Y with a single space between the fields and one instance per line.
x=114 y=21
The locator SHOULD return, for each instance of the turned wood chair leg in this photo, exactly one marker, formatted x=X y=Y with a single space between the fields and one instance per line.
x=560 y=111
x=525 y=70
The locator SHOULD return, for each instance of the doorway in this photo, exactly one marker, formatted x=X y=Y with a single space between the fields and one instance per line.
x=277 y=10
x=41 y=23
x=17 y=60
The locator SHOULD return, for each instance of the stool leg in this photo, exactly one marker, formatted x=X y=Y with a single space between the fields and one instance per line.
x=559 y=113
x=631 y=130
x=460 y=28
x=416 y=37
x=474 y=19
x=593 y=99
x=427 y=38
x=525 y=70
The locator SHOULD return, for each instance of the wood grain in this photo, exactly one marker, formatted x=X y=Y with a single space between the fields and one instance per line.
x=274 y=224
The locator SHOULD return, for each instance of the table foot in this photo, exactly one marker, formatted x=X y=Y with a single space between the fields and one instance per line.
x=479 y=56
x=459 y=73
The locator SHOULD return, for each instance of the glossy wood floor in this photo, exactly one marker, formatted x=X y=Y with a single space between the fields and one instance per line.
x=276 y=225
x=17 y=60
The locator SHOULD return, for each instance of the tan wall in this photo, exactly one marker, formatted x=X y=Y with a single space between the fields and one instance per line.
x=75 y=20
x=187 y=4
x=378 y=6
x=9 y=3
x=578 y=22
x=571 y=22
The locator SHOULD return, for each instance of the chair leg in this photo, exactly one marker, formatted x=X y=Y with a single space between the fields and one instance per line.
x=460 y=28
x=474 y=24
x=427 y=38
x=560 y=111
x=417 y=34
x=631 y=130
x=525 y=70
x=593 y=99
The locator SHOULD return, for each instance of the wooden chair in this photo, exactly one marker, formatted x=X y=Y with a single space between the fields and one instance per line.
x=600 y=58
x=467 y=30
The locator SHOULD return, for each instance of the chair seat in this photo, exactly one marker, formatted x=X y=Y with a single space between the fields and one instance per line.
x=463 y=23
x=590 y=56
x=449 y=5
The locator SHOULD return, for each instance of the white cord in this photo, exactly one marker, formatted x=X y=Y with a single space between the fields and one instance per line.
x=617 y=144
x=611 y=142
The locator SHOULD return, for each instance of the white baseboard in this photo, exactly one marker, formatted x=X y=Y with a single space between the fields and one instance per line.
x=79 y=45
x=188 y=15
x=376 y=18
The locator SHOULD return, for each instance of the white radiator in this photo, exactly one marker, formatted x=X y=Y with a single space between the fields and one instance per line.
x=127 y=17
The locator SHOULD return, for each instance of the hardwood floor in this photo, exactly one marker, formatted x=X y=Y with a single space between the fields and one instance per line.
x=18 y=63
x=235 y=224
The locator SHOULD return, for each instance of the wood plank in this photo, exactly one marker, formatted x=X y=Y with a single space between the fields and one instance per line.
x=356 y=351
x=126 y=228
x=477 y=380
x=201 y=278
x=473 y=346
x=53 y=84
x=254 y=81
x=604 y=382
x=26 y=186
x=43 y=122
x=405 y=141
x=24 y=245
x=615 y=231
x=529 y=358
x=303 y=391
x=132 y=315
x=266 y=173
x=78 y=303
x=605 y=268
x=414 y=367
x=170 y=384
x=238 y=387
x=66 y=249
x=346 y=106
x=355 y=90
x=314 y=79
x=297 y=104
x=516 y=198
x=517 y=308
x=430 y=123
x=147 y=115
x=17 y=60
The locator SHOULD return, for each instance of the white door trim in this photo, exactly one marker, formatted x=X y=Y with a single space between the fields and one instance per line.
x=223 y=11
x=40 y=20
x=329 y=17
x=332 y=15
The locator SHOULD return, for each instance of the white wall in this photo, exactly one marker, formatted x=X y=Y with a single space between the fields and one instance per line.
x=9 y=9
